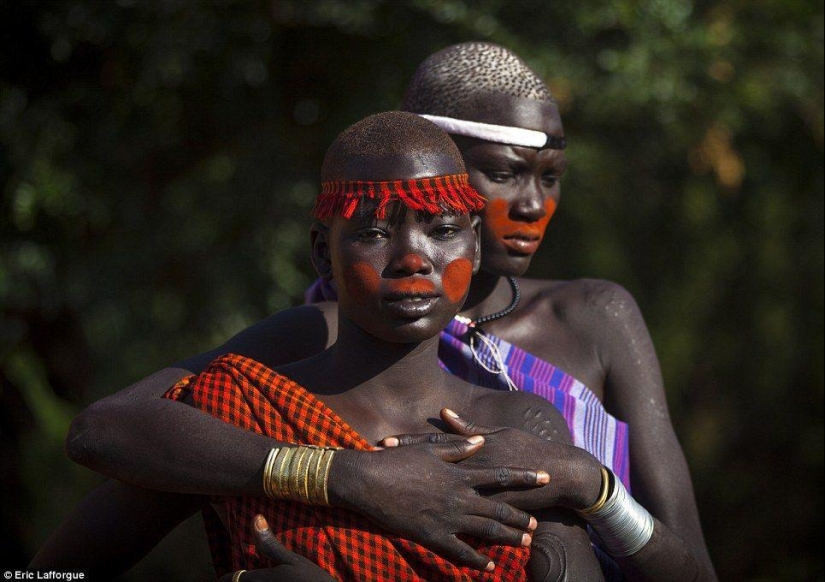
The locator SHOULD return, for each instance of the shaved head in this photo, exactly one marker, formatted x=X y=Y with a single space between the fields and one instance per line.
x=394 y=157
x=377 y=147
x=448 y=83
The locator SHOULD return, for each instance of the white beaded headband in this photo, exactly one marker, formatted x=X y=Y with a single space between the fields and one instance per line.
x=505 y=134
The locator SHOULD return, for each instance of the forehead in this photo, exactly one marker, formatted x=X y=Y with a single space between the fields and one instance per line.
x=397 y=215
x=408 y=166
x=503 y=109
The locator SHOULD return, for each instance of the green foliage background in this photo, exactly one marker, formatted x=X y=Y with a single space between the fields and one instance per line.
x=158 y=160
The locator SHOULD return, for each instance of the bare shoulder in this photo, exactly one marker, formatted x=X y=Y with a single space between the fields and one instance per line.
x=590 y=306
x=590 y=298
x=524 y=411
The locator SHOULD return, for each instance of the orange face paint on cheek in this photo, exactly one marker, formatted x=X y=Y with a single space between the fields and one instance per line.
x=456 y=279
x=550 y=208
x=361 y=282
x=497 y=217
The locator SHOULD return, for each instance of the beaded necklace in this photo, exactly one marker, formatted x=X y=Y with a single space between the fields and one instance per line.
x=477 y=334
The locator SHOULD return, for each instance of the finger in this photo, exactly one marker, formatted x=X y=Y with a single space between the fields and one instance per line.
x=465 y=426
x=401 y=440
x=459 y=450
x=461 y=554
x=268 y=546
x=505 y=514
x=505 y=477
x=493 y=531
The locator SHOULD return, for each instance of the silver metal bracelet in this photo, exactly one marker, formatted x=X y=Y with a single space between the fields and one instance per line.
x=623 y=526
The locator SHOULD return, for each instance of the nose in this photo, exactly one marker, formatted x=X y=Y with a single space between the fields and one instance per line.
x=412 y=264
x=529 y=204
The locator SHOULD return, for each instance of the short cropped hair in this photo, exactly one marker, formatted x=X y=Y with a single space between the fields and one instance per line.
x=391 y=133
x=447 y=80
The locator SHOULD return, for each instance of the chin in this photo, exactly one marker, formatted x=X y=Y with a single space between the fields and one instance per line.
x=411 y=331
x=507 y=265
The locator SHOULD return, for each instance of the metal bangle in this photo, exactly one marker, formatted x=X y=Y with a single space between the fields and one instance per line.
x=623 y=525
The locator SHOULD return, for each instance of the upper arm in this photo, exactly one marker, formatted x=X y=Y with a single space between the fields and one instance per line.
x=634 y=393
x=285 y=337
x=113 y=527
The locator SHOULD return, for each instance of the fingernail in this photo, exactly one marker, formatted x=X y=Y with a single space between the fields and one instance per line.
x=390 y=442
x=542 y=477
x=533 y=524
x=451 y=414
x=490 y=567
x=476 y=440
x=260 y=523
x=526 y=540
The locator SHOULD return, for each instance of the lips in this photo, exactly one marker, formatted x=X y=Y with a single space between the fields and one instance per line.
x=410 y=305
x=520 y=237
x=522 y=242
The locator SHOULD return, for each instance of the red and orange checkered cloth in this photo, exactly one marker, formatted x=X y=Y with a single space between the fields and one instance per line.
x=348 y=546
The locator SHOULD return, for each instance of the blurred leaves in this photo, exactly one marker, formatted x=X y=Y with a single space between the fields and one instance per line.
x=159 y=160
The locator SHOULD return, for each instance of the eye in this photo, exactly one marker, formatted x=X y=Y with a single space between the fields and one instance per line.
x=549 y=180
x=371 y=234
x=498 y=176
x=445 y=231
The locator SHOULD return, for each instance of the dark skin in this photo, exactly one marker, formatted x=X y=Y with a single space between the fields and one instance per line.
x=591 y=329
x=381 y=376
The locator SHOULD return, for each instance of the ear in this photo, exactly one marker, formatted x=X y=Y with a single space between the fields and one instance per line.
x=319 y=239
x=476 y=222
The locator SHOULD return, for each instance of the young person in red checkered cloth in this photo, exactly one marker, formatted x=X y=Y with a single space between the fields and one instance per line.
x=507 y=126
x=395 y=234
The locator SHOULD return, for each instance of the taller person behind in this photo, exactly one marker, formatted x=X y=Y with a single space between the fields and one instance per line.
x=506 y=124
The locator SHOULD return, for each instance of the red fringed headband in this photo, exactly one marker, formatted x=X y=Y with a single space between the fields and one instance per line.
x=435 y=195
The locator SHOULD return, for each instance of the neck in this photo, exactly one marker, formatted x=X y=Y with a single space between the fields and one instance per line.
x=374 y=366
x=488 y=293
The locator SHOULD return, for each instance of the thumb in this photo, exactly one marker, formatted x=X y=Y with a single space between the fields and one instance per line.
x=455 y=451
x=464 y=426
x=268 y=546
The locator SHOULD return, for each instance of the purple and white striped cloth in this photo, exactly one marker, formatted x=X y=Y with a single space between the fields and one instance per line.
x=591 y=427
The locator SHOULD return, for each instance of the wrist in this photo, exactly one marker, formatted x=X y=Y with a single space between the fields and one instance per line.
x=299 y=473
x=343 y=471
x=589 y=481
x=623 y=526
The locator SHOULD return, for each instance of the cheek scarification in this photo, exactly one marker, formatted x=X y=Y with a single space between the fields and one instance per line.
x=362 y=282
x=456 y=279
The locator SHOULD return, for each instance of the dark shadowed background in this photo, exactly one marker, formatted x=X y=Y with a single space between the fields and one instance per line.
x=158 y=161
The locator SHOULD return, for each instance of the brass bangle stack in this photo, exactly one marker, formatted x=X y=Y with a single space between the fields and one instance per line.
x=298 y=473
x=603 y=492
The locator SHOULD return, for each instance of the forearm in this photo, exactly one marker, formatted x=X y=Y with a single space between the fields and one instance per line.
x=575 y=484
x=643 y=547
x=666 y=556
x=157 y=443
